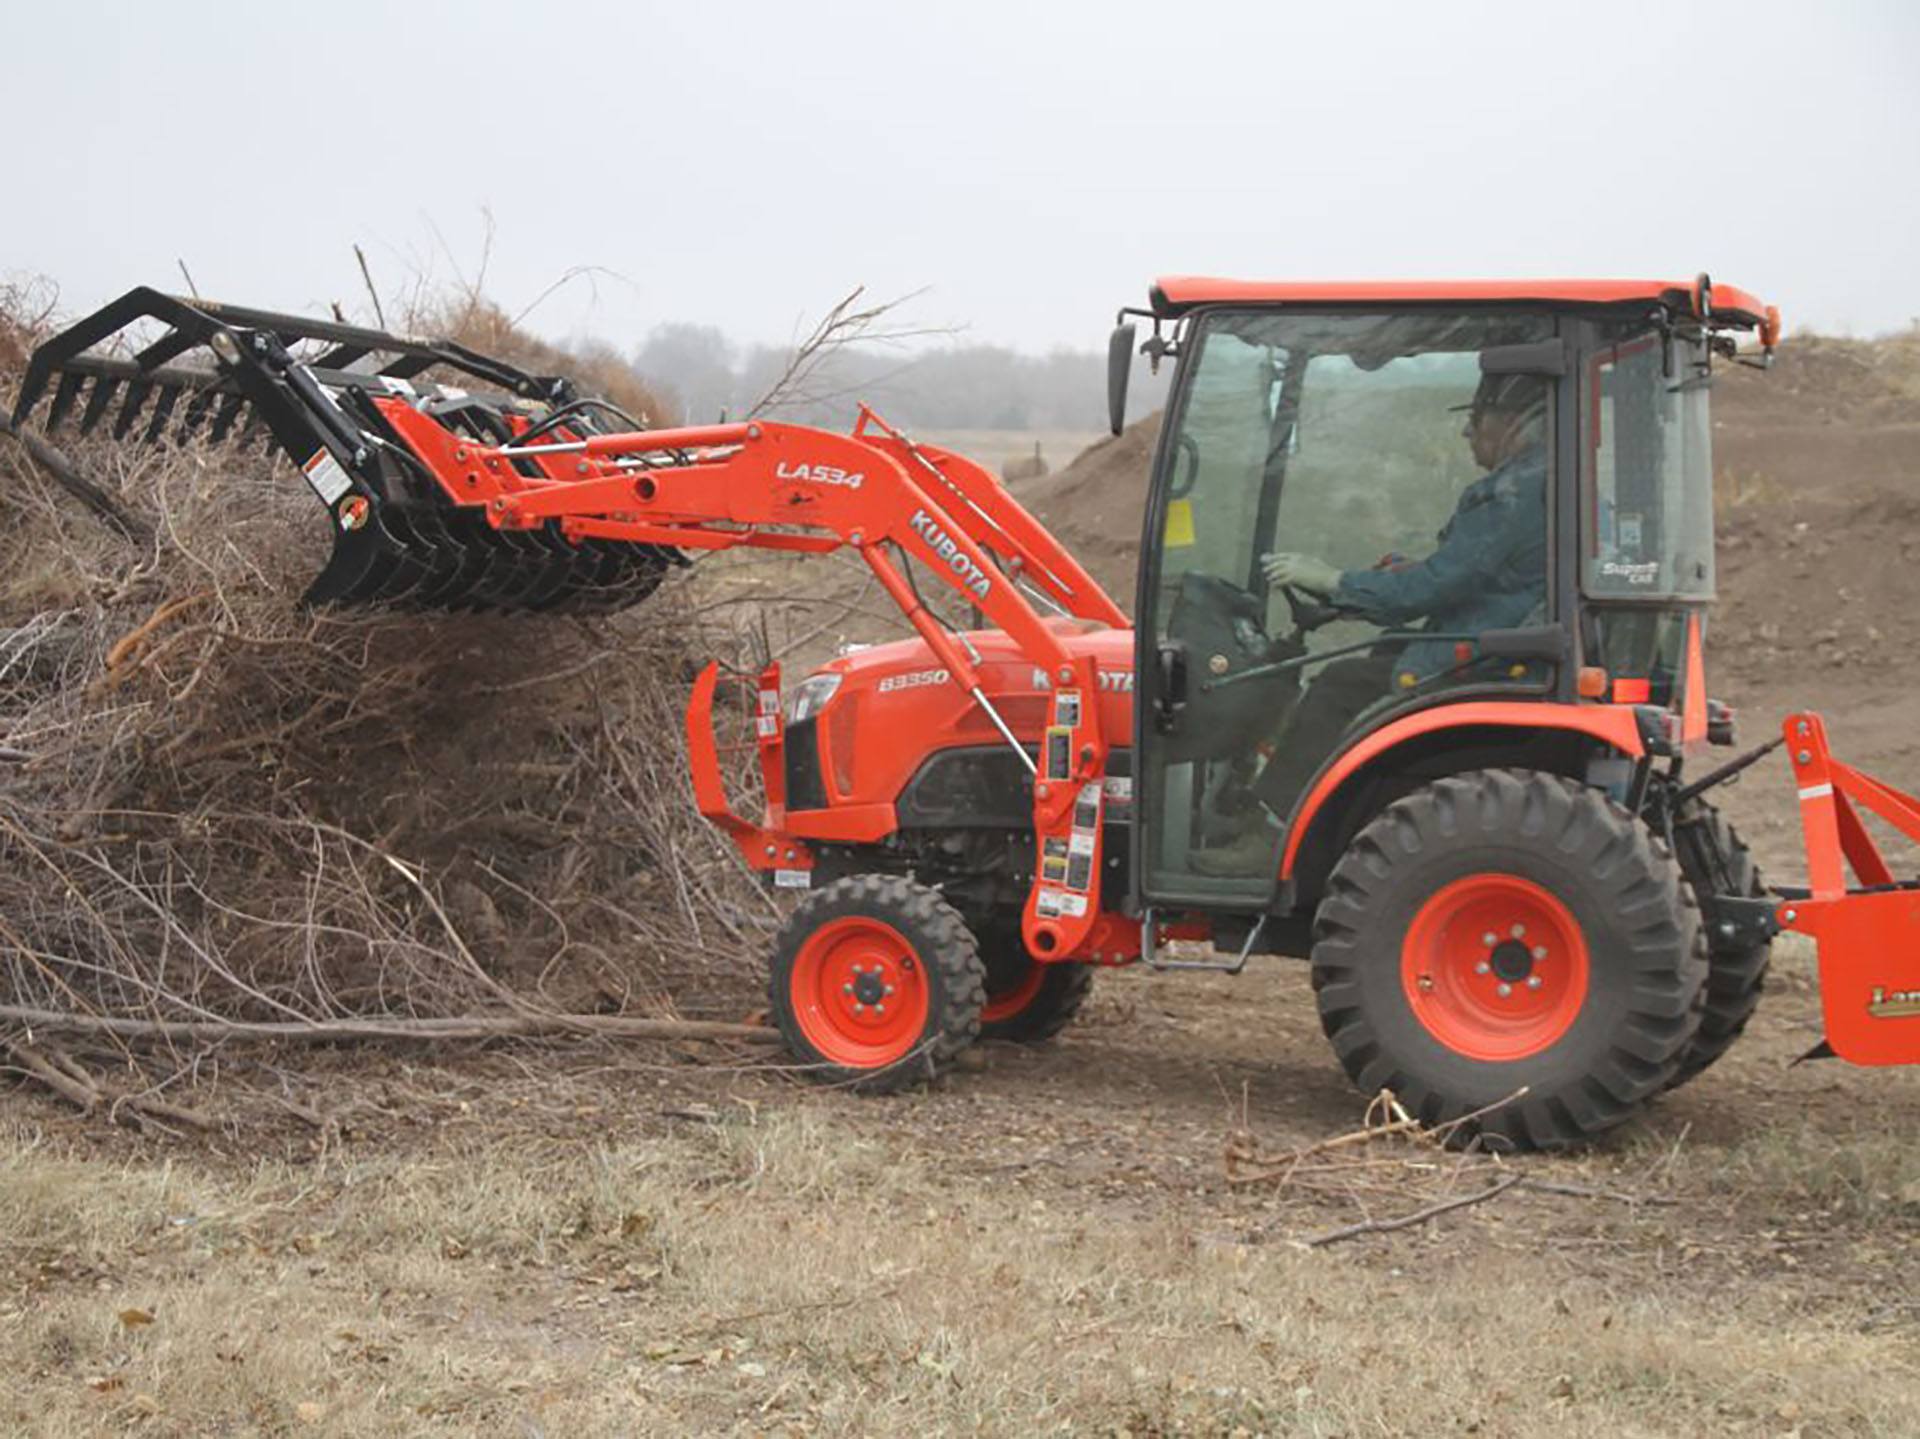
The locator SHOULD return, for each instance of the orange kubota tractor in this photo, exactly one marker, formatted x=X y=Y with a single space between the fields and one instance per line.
x=1468 y=778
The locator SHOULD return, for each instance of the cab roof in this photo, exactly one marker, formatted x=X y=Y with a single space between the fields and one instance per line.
x=1176 y=294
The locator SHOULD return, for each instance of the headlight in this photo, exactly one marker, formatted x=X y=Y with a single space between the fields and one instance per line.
x=810 y=697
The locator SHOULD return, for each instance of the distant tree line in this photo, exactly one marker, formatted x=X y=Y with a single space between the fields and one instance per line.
x=950 y=385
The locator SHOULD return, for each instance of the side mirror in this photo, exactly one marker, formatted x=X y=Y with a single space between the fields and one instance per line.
x=1119 y=367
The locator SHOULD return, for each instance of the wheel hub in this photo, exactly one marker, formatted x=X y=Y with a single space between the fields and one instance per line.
x=1511 y=960
x=1494 y=967
x=858 y=994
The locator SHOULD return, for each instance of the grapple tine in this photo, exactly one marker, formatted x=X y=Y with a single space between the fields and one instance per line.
x=593 y=567
x=64 y=394
x=230 y=409
x=256 y=431
x=130 y=408
x=162 y=412
x=195 y=414
x=366 y=565
x=98 y=398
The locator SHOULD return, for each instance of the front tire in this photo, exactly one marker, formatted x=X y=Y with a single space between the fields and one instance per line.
x=1027 y=1002
x=876 y=983
x=1502 y=929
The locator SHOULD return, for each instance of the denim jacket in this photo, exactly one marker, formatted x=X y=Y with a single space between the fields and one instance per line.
x=1488 y=571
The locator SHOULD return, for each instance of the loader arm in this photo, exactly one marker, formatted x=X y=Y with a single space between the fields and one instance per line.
x=770 y=485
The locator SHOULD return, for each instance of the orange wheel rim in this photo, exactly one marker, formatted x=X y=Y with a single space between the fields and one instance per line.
x=859 y=992
x=1007 y=1002
x=1495 y=967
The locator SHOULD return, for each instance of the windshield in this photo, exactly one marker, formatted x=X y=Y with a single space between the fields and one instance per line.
x=1649 y=483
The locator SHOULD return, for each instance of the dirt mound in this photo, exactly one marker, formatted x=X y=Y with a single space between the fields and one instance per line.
x=1095 y=503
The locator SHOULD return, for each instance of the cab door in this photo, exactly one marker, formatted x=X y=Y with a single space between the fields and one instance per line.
x=1343 y=438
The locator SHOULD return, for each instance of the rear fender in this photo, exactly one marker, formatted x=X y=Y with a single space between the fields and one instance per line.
x=1325 y=805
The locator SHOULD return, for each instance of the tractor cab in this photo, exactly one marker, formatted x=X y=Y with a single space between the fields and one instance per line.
x=1394 y=528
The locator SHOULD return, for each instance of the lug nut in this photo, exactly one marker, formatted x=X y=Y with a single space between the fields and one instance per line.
x=1483 y=968
x=1533 y=981
x=846 y=989
x=879 y=1009
x=1539 y=951
x=888 y=988
x=1504 y=990
x=1426 y=983
x=1489 y=939
x=859 y=1008
x=1519 y=931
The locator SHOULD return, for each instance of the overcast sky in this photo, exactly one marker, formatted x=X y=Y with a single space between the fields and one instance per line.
x=1032 y=165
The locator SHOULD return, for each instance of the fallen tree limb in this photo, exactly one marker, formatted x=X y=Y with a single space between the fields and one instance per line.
x=331 y=1030
x=81 y=1095
x=1583 y=1191
x=1419 y=1216
x=65 y=474
x=72 y=1083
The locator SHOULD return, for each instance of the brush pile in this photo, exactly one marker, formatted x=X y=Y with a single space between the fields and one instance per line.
x=218 y=807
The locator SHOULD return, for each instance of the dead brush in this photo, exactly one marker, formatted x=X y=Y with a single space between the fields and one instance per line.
x=1394 y=1163
x=217 y=807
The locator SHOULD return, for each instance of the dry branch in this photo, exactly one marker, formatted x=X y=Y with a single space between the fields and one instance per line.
x=63 y=472
x=1420 y=1216
x=337 y=1030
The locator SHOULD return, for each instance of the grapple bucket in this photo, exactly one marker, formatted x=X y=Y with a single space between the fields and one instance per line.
x=323 y=393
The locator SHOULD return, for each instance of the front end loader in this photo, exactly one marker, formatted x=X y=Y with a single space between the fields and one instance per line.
x=1415 y=687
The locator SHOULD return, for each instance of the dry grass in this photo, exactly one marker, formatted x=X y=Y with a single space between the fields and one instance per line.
x=806 y=1272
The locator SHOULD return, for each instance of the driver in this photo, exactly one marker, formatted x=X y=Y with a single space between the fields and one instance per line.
x=1488 y=571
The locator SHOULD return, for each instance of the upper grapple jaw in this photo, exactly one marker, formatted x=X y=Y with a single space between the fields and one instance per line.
x=223 y=374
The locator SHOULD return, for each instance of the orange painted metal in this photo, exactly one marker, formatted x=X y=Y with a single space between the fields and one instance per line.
x=1693 y=705
x=1181 y=292
x=765 y=846
x=859 y=993
x=1868 y=937
x=1494 y=967
x=1615 y=727
x=784 y=486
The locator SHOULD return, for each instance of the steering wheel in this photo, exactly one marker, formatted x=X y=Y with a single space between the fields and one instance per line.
x=1309 y=613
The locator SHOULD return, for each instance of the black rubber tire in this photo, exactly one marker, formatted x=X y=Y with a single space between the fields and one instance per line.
x=1736 y=974
x=944 y=948
x=1647 y=960
x=1063 y=987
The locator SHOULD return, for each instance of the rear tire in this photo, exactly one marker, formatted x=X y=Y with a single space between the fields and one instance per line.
x=1736 y=974
x=1027 y=1002
x=876 y=983
x=1524 y=882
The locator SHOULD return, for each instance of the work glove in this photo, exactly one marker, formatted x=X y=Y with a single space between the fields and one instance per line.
x=1302 y=571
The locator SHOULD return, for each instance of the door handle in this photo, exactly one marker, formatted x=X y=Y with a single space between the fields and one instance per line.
x=1170 y=684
